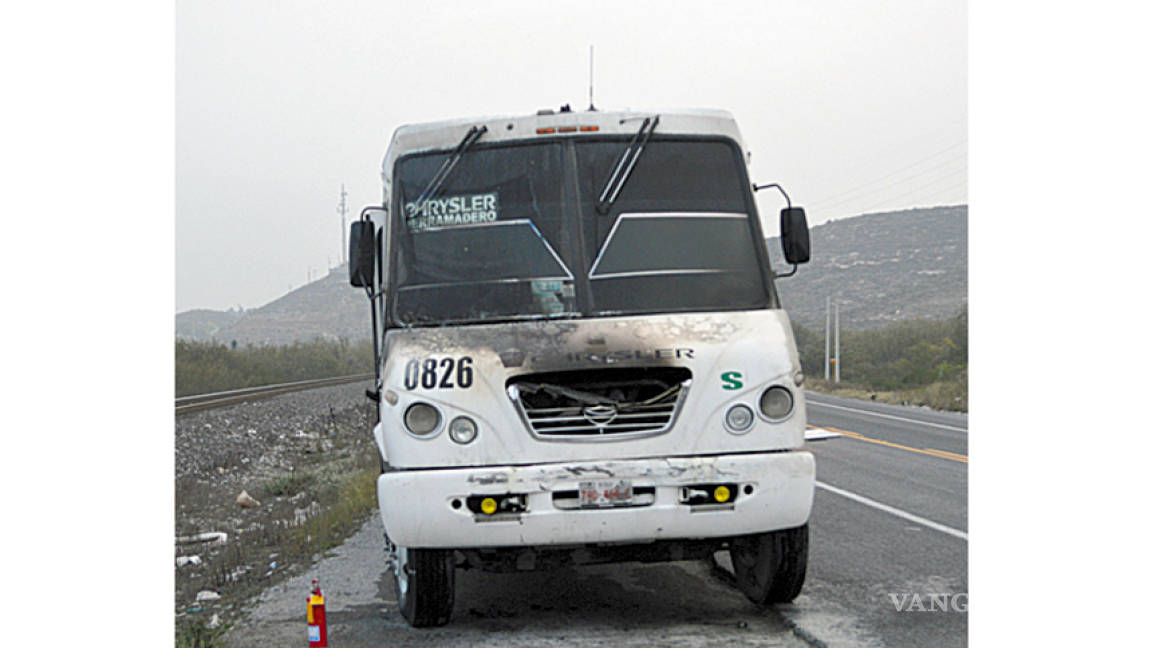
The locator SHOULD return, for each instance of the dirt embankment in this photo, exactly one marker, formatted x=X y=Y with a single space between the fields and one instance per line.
x=307 y=458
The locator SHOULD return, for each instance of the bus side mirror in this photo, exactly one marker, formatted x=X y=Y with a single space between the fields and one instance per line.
x=794 y=235
x=361 y=253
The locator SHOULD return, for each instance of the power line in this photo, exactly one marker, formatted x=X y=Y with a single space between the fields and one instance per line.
x=917 y=189
x=943 y=191
x=889 y=199
x=872 y=187
x=896 y=172
x=862 y=195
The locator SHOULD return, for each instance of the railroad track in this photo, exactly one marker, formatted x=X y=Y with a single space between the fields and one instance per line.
x=198 y=402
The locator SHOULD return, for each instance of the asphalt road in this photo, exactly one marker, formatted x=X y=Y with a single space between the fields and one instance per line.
x=887 y=566
x=889 y=527
x=669 y=604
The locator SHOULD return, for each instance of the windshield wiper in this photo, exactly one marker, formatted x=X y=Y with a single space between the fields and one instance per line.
x=620 y=173
x=446 y=168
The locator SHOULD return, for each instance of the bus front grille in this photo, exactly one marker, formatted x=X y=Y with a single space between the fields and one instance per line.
x=600 y=404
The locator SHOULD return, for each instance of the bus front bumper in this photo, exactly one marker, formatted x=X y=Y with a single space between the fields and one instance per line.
x=542 y=505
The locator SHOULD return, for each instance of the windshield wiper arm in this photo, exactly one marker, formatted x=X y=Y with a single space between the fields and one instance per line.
x=621 y=172
x=446 y=168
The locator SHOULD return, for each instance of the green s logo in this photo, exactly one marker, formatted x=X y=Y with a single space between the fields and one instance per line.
x=732 y=380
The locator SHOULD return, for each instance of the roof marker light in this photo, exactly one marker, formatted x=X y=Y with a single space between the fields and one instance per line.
x=549 y=130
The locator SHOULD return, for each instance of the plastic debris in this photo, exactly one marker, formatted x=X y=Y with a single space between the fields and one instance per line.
x=219 y=537
x=246 y=500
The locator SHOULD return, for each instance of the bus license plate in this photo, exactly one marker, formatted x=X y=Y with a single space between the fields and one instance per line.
x=597 y=494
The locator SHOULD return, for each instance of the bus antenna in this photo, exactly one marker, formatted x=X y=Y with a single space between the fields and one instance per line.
x=591 y=59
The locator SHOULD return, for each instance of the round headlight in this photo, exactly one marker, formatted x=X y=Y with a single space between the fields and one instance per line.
x=739 y=418
x=422 y=419
x=776 y=402
x=462 y=430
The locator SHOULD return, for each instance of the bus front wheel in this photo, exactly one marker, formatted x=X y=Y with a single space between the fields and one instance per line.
x=425 y=583
x=770 y=567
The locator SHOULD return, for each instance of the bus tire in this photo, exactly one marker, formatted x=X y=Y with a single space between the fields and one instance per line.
x=770 y=567
x=425 y=584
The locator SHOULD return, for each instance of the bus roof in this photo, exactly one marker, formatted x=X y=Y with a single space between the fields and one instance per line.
x=447 y=134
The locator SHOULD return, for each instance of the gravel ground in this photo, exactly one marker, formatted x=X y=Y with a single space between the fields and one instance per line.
x=289 y=453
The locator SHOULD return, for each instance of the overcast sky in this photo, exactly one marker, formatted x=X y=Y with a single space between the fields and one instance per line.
x=854 y=106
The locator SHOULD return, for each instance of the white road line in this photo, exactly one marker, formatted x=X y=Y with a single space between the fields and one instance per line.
x=894 y=511
x=814 y=433
x=888 y=416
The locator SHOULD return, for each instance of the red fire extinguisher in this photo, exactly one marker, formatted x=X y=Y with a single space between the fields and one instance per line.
x=317 y=623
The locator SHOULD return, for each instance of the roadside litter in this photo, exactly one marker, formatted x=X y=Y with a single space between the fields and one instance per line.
x=217 y=537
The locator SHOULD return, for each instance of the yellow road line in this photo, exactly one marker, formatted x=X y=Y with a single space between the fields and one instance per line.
x=942 y=454
x=947 y=455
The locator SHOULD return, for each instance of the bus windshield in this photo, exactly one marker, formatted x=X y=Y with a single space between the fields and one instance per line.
x=514 y=232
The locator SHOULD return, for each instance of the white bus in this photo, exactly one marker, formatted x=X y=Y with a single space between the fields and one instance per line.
x=581 y=356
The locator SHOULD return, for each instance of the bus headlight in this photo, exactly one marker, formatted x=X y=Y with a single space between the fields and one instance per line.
x=739 y=418
x=421 y=419
x=462 y=430
x=776 y=402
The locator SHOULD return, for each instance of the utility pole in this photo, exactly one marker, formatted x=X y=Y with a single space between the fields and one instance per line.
x=827 y=333
x=837 y=342
x=342 y=210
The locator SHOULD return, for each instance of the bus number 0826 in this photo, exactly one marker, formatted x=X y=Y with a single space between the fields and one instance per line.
x=445 y=373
